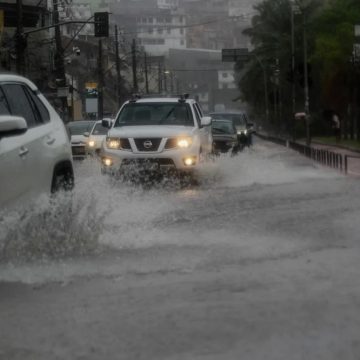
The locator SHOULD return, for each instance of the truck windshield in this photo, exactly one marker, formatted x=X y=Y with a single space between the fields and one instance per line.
x=134 y=114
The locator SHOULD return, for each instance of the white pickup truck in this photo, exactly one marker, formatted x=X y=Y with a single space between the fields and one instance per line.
x=157 y=133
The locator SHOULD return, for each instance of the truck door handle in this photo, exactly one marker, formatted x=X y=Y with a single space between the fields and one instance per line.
x=50 y=141
x=23 y=151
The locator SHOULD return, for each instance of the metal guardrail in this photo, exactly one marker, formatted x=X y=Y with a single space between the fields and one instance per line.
x=322 y=156
x=347 y=157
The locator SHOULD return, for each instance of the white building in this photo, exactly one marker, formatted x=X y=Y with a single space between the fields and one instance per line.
x=226 y=79
x=75 y=12
x=161 y=32
x=168 y=4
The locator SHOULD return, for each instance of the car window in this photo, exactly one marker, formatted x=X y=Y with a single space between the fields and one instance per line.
x=197 y=115
x=134 y=114
x=39 y=107
x=198 y=107
x=19 y=103
x=4 y=106
x=99 y=130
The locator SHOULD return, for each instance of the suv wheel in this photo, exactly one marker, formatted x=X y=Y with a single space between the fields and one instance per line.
x=63 y=178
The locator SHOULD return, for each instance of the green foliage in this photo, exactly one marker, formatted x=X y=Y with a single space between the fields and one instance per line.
x=334 y=36
x=329 y=28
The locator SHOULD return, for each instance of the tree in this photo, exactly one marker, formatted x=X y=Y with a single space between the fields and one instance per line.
x=270 y=35
x=333 y=53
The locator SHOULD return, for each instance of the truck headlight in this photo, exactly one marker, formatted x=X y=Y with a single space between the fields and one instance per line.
x=91 y=143
x=184 y=142
x=113 y=143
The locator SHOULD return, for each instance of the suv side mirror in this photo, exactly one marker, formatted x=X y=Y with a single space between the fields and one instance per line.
x=86 y=134
x=106 y=123
x=206 y=120
x=12 y=125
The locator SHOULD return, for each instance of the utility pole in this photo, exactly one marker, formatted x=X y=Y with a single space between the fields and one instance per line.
x=171 y=82
x=159 y=78
x=20 y=43
x=306 y=84
x=165 y=80
x=146 y=74
x=118 y=74
x=100 y=83
x=293 y=70
x=134 y=66
x=60 y=78
x=72 y=99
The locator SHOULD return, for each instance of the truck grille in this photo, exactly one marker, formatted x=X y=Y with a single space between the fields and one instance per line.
x=147 y=144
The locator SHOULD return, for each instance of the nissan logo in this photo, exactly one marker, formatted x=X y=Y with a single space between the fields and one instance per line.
x=147 y=144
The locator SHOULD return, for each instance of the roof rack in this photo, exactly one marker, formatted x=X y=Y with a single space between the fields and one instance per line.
x=182 y=97
x=135 y=97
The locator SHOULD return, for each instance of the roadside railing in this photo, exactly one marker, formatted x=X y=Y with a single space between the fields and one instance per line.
x=322 y=156
x=346 y=166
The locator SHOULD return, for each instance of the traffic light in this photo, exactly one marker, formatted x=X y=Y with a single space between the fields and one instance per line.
x=101 y=24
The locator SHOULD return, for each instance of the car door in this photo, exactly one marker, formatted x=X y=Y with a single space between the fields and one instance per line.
x=13 y=161
x=36 y=157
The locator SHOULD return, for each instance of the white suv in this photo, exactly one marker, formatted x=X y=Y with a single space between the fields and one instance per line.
x=158 y=133
x=35 y=153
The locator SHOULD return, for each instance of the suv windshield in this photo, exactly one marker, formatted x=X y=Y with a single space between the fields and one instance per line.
x=155 y=114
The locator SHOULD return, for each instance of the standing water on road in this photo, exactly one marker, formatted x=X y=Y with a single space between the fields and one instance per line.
x=104 y=217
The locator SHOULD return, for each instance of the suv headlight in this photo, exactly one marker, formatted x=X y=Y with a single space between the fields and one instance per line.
x=113 y=143
x=184 y=142
x=91 y=143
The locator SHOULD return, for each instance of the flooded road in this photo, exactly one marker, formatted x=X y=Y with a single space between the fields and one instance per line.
x=259 y=261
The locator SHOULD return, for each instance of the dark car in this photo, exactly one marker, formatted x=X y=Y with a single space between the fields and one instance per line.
x=241 y=122
x=224 y=136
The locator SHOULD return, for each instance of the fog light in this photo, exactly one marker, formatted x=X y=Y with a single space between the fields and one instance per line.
x=189 y=161
x=107 y=161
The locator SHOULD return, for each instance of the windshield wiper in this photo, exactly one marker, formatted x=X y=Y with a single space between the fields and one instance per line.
x=167 y=115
